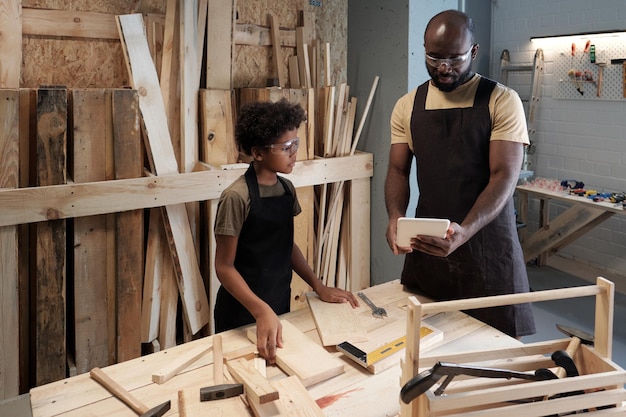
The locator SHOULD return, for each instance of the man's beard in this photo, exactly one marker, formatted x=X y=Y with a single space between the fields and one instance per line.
x=458 y=79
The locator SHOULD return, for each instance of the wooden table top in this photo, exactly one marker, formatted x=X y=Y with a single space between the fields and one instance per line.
x=354 y=392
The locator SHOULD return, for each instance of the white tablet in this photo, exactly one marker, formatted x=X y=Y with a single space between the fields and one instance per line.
x=409 y=227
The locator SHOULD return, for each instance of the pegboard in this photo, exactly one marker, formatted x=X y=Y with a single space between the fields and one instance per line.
x=613 y=79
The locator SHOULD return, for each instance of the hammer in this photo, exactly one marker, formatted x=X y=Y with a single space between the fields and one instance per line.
x=577 y=337
x=129 y=399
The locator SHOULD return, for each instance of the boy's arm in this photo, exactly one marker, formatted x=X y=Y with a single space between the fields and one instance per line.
x=269 y=329
x=328 y=294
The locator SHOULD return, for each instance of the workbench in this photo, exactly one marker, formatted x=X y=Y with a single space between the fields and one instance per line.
x=354 y=392
x=582 y=215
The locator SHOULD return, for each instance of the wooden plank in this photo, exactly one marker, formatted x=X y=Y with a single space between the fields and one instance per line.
x=359 y=196
x=10 y=70
x=169 y=293
x=294 y=401
x=144 y=79
x=28 y=205
x=217 y=127
x=257 y=388
x=151 y=300
x=129 y=225
x=305 y=239
x=335 y=322
x=91 y=344
x=69 y=23
x=320 y=364
x=179 y=363
x=9 y=284
x=256 y=35
x=10 y=44
x=178 y=229
x=220 y=45
x=189 y=79
x=49 y=285
x=277 y=56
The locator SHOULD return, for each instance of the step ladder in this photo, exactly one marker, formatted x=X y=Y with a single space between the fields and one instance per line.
x=535 y=69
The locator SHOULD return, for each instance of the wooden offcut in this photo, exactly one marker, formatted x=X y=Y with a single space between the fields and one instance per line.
x=258 y=389
x=49 y=280
x=294 y=401
x=318 y=364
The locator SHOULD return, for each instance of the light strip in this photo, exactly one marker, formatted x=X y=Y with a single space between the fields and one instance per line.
x=620 y=34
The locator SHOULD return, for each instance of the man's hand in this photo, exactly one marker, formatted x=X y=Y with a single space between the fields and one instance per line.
x=269 y=335
x=392 y=234
x=436 y=246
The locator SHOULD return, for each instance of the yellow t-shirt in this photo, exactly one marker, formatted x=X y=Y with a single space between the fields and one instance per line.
x=508 y=121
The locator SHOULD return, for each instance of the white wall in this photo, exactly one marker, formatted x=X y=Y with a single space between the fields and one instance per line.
x=583 y=139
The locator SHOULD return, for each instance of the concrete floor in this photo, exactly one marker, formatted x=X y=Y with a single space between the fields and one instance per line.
x=576 y=312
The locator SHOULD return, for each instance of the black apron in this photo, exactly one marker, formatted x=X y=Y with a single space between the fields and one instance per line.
x=263 y=256
x=451 y=148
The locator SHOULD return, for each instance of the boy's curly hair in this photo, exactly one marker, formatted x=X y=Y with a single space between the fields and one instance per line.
x=262 y=123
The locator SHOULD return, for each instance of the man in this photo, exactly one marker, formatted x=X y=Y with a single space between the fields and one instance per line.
x=467 y=134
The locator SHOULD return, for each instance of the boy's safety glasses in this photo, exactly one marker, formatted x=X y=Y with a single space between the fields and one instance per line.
x=289 y=147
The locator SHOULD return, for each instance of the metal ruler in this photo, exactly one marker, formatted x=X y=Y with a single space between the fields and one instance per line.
x=366 y=359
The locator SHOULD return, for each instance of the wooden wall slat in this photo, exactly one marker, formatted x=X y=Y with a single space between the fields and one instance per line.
x=49 y=342
x=91 y=345
x=9 y=284
x=128 y=152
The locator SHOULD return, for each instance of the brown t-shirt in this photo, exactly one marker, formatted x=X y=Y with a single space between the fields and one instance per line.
x=234 y=204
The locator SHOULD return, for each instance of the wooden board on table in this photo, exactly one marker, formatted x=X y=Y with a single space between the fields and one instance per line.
x=302 y=357
x=49 y=286
x=294 y=401
x=128 y=157
x=336 y=322
x=91 y=344
x=178 y=229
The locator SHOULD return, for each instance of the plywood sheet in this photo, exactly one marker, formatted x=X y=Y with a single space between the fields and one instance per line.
x=303 y=357
x=336 y=322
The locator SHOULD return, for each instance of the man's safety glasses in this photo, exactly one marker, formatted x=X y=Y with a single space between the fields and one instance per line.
x=288 y=147
x=453 y=62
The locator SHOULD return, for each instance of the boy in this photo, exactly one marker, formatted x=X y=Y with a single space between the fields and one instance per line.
x=255 y=252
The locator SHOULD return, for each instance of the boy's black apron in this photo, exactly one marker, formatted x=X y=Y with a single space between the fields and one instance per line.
x=452 y=153
x=263 y=256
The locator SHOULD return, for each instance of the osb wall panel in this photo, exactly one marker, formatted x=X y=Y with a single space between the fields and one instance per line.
x=252 y=65
x=90 y=63
x=79 y=63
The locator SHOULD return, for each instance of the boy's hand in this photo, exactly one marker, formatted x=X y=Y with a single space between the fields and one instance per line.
x=336 y=295
x=269 y=335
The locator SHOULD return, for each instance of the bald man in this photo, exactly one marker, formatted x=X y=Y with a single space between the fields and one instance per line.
x=467 y=134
